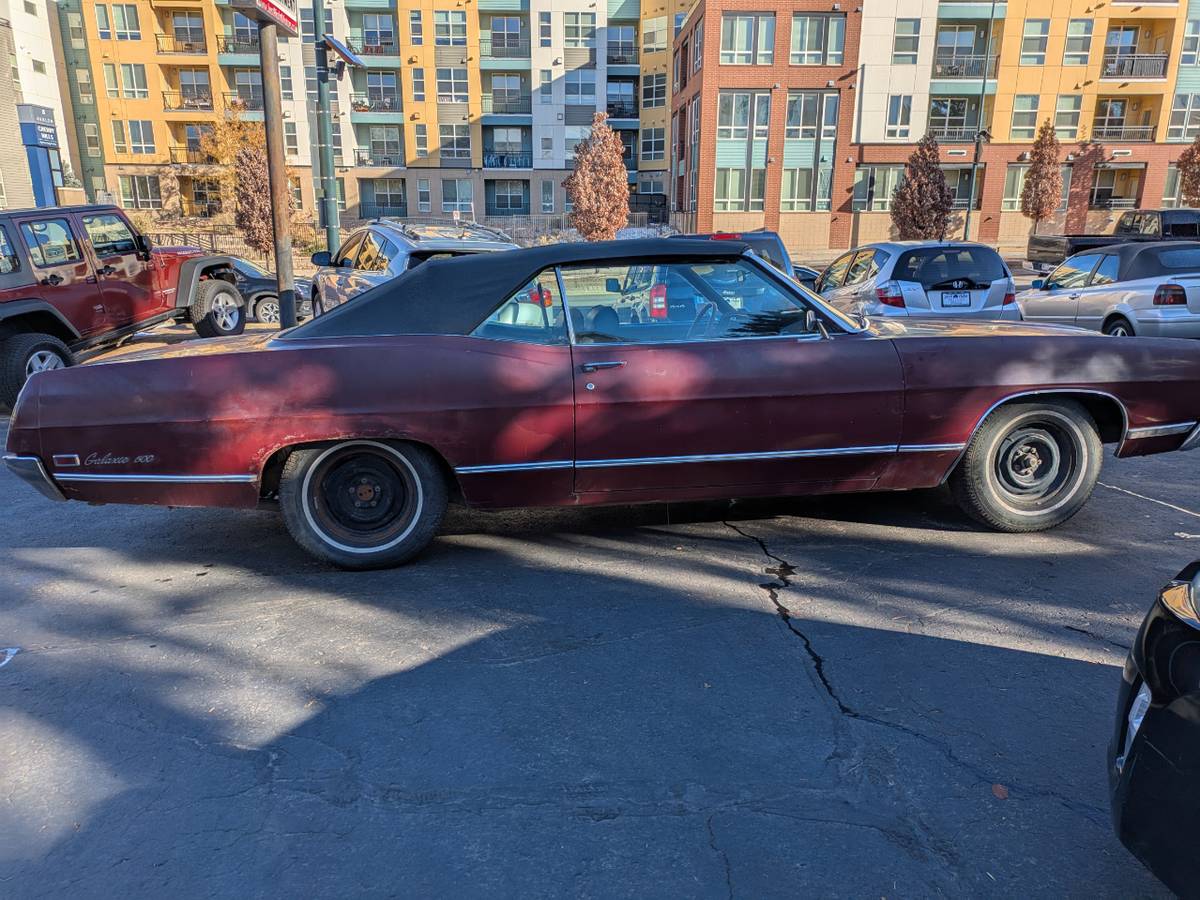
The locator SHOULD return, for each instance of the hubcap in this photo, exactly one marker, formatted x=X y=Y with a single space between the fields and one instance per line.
x=225 y=312
x=1118 y=331
x=268 y=311
x=362 y=499
x=1035 y=465
x=43 y=361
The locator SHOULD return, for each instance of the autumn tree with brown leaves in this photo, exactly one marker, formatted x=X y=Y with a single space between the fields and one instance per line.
x=921 y=204
x=220 y=145
x=599 y=186
x=1042 y=192
x=1188 y=167
x=253 y=213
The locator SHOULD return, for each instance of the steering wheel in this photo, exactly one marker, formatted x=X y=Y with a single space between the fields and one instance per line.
x=707 y=308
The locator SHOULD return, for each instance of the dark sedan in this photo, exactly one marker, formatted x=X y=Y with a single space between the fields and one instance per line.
x=259 y=288
x=1154 y=755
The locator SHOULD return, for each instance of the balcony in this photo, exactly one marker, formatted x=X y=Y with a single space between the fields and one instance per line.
x=492 y=210
x=507 y=104
x=622 y=55
x=198 y=101
x=622 y=110
x=373 y=158
x=954 y=134
x=248 y=100
x=371 y=211
x=977 y=65
x=492 y=160
x=375 y=102
x=376 y=47
x=1104 y=200
x=181 y=155
x=496 y=46
x=230 y=44
x=168 y=43
x=1134 y=65
x=1123 y=132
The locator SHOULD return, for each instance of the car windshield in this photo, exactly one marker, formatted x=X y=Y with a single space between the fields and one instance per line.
x=931 y=266
x=249 y=269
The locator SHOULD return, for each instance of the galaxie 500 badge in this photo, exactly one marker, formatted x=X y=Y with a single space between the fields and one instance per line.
x=107 y=459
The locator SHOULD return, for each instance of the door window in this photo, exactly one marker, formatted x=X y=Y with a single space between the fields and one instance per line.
x=863 y=267
x=345 y=256
x=532 y=315
x=835 y=273
x=50 y=242
x=1072 y=272
x=8 y=254
x=109 y=234
x=1107 y=271
x=698 y=301
x=374 y=253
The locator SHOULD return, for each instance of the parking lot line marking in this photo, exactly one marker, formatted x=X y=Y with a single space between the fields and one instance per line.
x=9 y=653
x=1113 y=487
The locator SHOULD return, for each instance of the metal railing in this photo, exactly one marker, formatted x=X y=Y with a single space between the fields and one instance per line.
x=174 y=101
x=371 y=211
x=227 y=43
x=168 y=43
x=622 y=55
x=377 y=48
x=492 y=160
x=622 y=110
x=499 y=213
x=974 y=65
x=375 y=102
x=371 y=158
x=252 y=100
x=507 y=104
x=192 y=156
x=956 y=134
x=1123 y=132
x=493 y=46
x=1134 y=65
x=1100 y=201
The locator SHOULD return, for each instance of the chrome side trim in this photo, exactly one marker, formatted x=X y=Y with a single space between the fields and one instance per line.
x=160 y=479
x=1192 y=441
x=732 y=457
x=515 y=467
x=30 y=470
x=930 y=448
x=1135 y=434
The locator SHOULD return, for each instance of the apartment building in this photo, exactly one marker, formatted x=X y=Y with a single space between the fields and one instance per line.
x=1119 y=81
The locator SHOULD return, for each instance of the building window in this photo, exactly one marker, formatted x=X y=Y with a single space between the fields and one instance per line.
x=382 y=90
x=1033 y=42
x=899 y=116
x=906 y=42
x=1079 y=42
x=1066 y=116
x=547 y=147
x=698 y=46
x=1191 y=43
x=340 y=186
x=654 y=34
x=740 y=189
x=385 y=145
x=421 y=132
x=507 y=140
x=424 y=204
x=809 y=112
x=285 y=83
x=546 y=86
x=796 y=193
x=416 y=30
x=291 y=141
x=119 y=143
x=654 y=90
x=102 y=25
x=579 y=29
x=748 y=39
x=206 y=197
x=140 y=192
x=1024 y=117
x=654 y=144
x=1014 y=183
x=83 y=78
x=545 y=30
x=818 y=40
x=452 y=85
x=737 y=109
x=390 y=193
x=581 y=86
x=450 y=28
x=418 y=84
x=509 y=195
x=111 y=87
x=91 y=139
x=297 y=190
x=30 y=7
x=958 y=178
x=125 y=22
x=378 y=31
x=874 y=186
x=1185 y=118
x=455 y=141
x=547 y=196
x=133 y=81
x=652 y=184
x=456 y=195
x=39 y=67
x=75 y=29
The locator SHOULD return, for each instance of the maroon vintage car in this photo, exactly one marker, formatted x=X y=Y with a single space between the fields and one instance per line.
x=617 y=372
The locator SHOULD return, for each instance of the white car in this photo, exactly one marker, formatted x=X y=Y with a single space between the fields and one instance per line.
x=1146 y=288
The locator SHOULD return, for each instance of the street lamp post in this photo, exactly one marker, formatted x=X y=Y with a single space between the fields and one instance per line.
x=981 y=136
x=268 y=48
x=329 y=199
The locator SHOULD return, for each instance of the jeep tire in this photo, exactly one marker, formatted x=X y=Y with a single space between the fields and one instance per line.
x=21 y=355
x=218 y=310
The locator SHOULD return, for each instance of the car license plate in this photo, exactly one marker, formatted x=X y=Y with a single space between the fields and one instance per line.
x=956 y=298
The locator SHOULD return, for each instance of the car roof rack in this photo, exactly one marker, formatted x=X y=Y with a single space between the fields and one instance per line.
x=444 y=229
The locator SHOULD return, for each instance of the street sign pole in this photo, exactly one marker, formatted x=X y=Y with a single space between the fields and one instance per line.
x=329 y=201
x=268 y=48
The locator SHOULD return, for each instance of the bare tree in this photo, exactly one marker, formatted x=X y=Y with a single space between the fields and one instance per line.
x=253 y=213
x=922 y=202
x=1042 y=191
x=1188 y=167
x=599 y=186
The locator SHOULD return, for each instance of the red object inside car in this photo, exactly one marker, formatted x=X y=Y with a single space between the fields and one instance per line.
x=658 y=301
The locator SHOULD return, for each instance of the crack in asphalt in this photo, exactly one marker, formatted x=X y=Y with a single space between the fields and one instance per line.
x=783 y=572
x=712 y=842
x=1098 y=637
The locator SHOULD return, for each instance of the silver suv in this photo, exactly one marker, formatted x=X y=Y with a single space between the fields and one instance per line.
x=921 y=278
x=385 y=248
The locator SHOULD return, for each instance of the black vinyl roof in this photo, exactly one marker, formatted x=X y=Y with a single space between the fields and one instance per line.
x=453 y=296
x=1144 y=259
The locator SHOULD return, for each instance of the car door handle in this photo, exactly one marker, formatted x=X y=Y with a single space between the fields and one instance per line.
x=106 y=270
x=597 y=366
x=52 y=279
x=1073 y=296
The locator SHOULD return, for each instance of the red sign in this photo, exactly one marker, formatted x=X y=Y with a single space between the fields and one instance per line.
x=283 y=13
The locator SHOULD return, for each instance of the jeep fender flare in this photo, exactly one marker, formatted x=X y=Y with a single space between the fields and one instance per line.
x=18 y=309
x=190 y=272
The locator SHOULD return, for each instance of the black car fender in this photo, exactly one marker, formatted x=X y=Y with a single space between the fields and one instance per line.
x=193 y=270
x=40 y=316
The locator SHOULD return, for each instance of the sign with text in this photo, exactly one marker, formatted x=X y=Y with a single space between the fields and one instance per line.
x=283 y=13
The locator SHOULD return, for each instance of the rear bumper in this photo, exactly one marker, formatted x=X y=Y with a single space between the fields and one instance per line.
x=1164 y=323
x=30 y=470
x=1009 y=313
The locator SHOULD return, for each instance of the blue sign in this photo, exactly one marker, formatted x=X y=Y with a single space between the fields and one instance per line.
x=40 y=138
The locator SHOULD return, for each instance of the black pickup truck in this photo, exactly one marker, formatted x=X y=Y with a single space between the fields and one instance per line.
x=1135 y=225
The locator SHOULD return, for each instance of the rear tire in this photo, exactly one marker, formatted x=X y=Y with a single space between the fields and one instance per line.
x=218 y=309
x=266 y=310
x=1118 y=327
x=363 y=504
x=23 y=355
x=1030 y=466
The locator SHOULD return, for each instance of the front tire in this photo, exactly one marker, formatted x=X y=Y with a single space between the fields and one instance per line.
x=363 y=504
x=1030 y=466
x=218 y=309
x=23 y=355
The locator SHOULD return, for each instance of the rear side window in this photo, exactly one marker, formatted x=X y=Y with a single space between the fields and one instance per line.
x=1181 y=224
x=50 y=242
x=835 y=273
x=533 y=315
x=8 y=254
x=767 y=248
x=109 y=234
x=1107 y=271
x=934 y=265
x=1188 y=258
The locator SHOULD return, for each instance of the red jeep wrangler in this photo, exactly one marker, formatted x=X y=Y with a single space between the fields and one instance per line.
x=77 y=277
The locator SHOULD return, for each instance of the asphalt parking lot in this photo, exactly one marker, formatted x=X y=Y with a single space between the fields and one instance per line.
x=860 y=696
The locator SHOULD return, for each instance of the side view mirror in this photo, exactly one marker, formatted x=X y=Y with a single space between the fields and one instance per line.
x=813 y=324
x=321 y=258
x=143 y=245
x=1038 y=284
x=612 y=285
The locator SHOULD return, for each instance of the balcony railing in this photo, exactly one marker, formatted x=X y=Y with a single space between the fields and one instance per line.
x=1134 y=65
x=493 y=160
x=1123 y=132
x=371 y=211
x=252 y=100
x=976 y=65
x=507 y=104
x=955 y=134
x=491 y=210
x=622 y=55
x=227 y=43
x=174 y=101
x=191 y=155
x=373 y=158
x=169 y=43
x=1103 y=201
x=375 y=102
x=622 y=110
x=493 y=46
x=377 y=47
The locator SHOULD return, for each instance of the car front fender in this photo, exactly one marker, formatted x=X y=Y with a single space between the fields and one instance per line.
x=192 y=270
